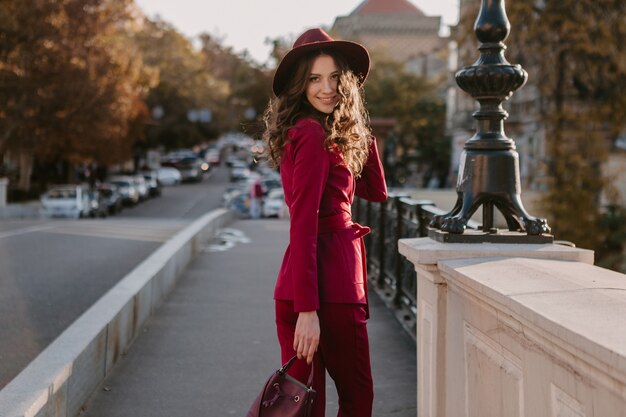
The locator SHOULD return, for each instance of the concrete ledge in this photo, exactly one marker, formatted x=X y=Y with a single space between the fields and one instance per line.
x=428 y=251
x=61 y=379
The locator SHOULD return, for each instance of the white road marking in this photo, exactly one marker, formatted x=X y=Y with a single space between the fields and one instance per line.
x=142 y=231
x=25 y=230
x=226 y=239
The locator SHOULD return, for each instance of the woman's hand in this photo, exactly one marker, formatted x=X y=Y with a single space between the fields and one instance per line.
x=307 y=335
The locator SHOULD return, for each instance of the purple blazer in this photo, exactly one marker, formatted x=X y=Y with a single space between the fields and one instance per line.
x=325 y=259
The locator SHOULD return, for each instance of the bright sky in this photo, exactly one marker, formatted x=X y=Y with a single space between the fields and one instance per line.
x=245 y=24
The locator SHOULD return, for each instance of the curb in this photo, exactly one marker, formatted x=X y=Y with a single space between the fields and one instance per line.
x=63 y=377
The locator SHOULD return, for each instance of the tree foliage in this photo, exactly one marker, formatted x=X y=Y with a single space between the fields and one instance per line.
x=583 y=100
x=181 y=82
x=250 y=86
x=208 y=76
x=96 y=81
x=68 y=81
x=392 y=92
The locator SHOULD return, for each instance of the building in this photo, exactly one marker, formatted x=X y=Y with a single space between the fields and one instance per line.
x=398 y=30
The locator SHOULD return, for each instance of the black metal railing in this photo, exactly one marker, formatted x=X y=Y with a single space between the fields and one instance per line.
x=390 y=274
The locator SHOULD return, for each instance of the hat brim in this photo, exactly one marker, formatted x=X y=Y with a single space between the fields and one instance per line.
x=356 y=56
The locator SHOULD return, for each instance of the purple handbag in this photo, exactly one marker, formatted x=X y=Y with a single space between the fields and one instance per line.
x=284 y=396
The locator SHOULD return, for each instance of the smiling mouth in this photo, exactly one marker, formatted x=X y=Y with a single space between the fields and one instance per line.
x=327 y=100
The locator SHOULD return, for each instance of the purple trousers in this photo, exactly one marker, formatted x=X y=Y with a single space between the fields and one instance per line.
x=343 y=352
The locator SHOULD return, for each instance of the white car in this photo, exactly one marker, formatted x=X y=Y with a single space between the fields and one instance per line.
x=141 y=186
x=274 y=204
x=239 y=171
x=66 y=201
x=169 y=176
x=127 y=189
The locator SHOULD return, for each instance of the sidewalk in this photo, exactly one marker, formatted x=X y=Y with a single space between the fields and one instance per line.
x=211 y=345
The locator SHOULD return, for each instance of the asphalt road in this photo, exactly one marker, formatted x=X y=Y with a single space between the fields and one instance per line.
x=51 y=271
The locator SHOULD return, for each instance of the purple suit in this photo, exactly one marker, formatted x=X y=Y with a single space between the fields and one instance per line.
x=325 y=259
x=324 y=266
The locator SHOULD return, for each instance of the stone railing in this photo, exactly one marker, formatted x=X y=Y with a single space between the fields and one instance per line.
x=517 y=330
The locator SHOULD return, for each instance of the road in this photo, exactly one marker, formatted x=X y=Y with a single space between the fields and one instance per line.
x=53 y=270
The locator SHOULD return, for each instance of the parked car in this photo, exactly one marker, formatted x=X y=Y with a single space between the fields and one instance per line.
x=152 y=182
x=212 y=156
x=97 y=204
x=66 y=201
x=179 y=154
x=169 y=176
x=270 y=184
x=239 y=171
x=141 y=186
x=191 y=168
x=112 y=197
x=126 y=188
x=274 y=203
x=232 y=159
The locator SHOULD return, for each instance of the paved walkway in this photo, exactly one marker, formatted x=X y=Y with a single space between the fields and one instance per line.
x=211 y=345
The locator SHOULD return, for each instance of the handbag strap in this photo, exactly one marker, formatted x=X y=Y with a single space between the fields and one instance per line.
x=290 y=362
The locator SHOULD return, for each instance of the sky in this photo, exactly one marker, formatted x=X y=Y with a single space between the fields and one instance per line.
x=246 y=24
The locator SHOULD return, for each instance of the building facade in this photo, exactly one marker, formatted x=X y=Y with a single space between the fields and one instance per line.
x=397 y=30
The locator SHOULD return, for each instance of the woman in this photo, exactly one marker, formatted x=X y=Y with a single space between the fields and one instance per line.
x=317 y=133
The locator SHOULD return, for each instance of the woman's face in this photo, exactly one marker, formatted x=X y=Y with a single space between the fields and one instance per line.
x=321 y=89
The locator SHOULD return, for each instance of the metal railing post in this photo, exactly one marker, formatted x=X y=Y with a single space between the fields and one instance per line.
x=381 y=244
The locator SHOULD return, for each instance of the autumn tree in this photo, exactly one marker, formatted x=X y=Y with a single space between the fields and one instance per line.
x=68 y=81
x=182 y=84
x=249 y=86
x=574 y=53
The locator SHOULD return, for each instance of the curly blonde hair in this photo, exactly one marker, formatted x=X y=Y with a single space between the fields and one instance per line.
x=347 y=127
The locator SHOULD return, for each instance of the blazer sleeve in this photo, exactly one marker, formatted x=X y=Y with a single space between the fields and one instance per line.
x=371 y=184
x=311 y=165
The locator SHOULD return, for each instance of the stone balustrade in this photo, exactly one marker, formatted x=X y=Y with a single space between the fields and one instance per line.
x=517 y=330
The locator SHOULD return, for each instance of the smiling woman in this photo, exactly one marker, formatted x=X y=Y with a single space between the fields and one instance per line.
x=321 y=90
x=318 y=133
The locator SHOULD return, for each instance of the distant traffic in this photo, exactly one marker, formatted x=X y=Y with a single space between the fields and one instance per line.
x=242 y=155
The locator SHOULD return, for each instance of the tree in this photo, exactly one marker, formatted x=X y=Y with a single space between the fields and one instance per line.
x=182 y=82
x=583 y=100
x=189 y=78
x=393 y=92
x=68 y=81
x=250 y=86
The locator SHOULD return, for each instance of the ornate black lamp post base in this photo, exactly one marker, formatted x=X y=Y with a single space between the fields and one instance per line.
x=500 y=236
x=489 y=166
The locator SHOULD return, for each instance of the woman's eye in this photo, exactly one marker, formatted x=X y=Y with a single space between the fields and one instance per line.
x=334 y=76
x=314 y=79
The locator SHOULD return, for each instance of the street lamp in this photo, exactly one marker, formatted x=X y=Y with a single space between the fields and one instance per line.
x=489 y=166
